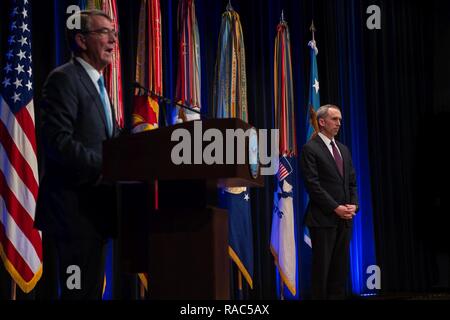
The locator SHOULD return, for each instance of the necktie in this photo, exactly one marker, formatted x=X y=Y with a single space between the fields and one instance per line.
x=337 y=158
x=103 y=96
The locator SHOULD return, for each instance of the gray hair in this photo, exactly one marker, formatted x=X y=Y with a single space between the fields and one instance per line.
x=84 y=17
x=322 y=112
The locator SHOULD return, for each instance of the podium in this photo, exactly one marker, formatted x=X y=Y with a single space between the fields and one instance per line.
x=181 y=241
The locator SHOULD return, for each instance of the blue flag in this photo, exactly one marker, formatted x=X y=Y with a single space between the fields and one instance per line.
x=313 y=105
x=314 y=95
x=240 y=239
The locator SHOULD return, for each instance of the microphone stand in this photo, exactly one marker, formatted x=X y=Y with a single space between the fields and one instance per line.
x=165 y=100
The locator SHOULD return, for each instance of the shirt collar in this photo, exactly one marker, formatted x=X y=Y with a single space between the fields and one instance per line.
x=91 y=71
x=326 y=139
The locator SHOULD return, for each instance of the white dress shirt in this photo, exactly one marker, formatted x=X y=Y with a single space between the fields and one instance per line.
x=328 y=144
x=95 y=75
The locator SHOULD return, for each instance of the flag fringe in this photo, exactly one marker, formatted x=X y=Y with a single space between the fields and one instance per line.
x=23 y=285
x=144 y=280
x=241 y=266
x=284 y=278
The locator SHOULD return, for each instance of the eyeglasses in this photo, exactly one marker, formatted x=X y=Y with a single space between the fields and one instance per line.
x=104 y=32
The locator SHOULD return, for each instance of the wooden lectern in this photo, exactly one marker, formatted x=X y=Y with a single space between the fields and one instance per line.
x=183 y=244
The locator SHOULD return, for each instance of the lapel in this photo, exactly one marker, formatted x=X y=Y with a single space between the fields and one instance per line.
x=92 y=90
x=329 y=155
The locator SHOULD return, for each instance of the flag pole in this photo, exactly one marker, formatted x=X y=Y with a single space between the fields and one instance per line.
x=13 y=290
x=141 y=291
x=283 y=234
x=241 y=295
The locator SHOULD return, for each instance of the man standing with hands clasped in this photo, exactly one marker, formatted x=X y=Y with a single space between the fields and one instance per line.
x=330 y=180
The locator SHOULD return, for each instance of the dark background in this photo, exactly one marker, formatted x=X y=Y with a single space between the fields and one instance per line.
x=405 y=67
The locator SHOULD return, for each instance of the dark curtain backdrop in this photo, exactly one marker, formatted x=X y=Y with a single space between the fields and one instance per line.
x=402 y=81
x=399 y=72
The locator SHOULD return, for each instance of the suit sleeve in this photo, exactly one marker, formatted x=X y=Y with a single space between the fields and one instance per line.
x=59 y=112
x=352 y=184
x=317 y=194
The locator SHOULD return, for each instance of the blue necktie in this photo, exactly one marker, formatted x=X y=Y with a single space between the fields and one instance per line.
x=101 y=85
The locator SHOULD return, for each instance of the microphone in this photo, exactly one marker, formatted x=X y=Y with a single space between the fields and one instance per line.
x=165 y=100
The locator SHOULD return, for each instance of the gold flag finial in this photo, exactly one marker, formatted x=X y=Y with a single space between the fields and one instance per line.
x=229 y=7
x=312 y=28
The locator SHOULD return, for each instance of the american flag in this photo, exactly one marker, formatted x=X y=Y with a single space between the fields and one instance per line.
x=284 y=170
x=20 y=243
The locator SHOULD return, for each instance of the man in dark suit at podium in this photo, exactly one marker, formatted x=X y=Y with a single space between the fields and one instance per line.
x=331 y=183
x=75 y=208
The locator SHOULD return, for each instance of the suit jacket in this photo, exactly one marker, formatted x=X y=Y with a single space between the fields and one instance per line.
x=71 y=201
x=326 y=187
